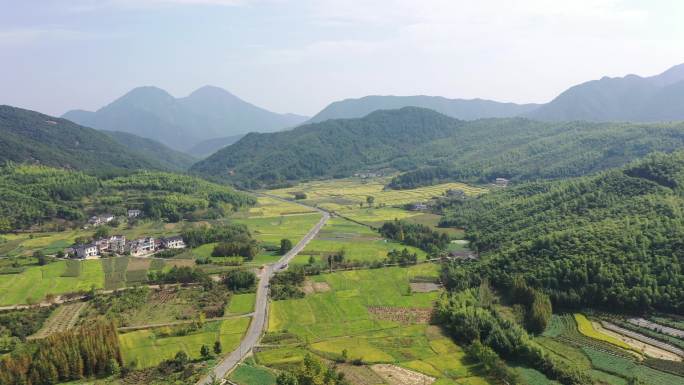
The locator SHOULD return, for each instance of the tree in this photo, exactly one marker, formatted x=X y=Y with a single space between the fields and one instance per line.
x=370 y=199
x=181 y=359
x=286 y=378
x=285 y=246
x=204 y=351
x=217 y=347
x=113 y=368
x=42 y=259
x=239 y=280
x=101 y=232
x=60 y=254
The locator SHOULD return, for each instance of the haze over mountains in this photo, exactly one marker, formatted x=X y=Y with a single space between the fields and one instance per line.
x=629 y=98
x=207 y=113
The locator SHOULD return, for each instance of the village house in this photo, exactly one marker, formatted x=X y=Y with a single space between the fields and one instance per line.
x=88 y=250
x=455 y=193
x=501 y=182
x=98 y=220
x=418 y=207
x=463 y=255
x=134 y=213
x=175 y=242
x=142 y=246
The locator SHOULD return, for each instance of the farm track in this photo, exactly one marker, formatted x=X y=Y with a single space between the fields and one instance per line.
x=258 y=324
x=655 y=326
x=174 y=323
x=644 y=339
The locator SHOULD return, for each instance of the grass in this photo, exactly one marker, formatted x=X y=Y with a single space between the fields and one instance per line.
x=359 y=242
x=586 y=328
x=241 y=303
x=346 y=194
x=329 y=323
x=36 y=282
x=249 y=373
x=149 y=347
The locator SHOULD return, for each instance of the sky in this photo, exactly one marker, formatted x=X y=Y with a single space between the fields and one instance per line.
x=300 y=55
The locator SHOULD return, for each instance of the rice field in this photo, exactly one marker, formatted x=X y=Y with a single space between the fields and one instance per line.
x=347 y=194
x=147 y=348
x=359 y=242
x=249 y=373
x=241 y=303
x=585 y=327
x=339 y=320
x=33 y=284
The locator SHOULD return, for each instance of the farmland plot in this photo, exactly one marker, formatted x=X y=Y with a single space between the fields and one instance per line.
x=62 y=319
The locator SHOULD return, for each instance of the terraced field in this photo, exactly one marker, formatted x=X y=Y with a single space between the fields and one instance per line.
x=62 y=319
x=599 y=355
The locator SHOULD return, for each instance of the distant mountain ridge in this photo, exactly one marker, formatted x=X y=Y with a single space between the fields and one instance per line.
x=209 y=112
x=170 y=159
x=431 y=147
x=207 y=147
x=456 y=108
x=628 y=98
x=31 y=137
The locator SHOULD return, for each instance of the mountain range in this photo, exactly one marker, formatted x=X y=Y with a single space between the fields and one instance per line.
x=431 y=146
x=180 y=123
x=31 y=137
x=630 y=98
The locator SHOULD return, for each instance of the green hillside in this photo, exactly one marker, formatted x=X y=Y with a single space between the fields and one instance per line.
x=432 y=147
x=28 y=136
x=34 y=194
x=612 y=240
x=170 y=159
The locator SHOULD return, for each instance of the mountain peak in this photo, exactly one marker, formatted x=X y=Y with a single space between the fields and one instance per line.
x=210 y=91
x=671 y=76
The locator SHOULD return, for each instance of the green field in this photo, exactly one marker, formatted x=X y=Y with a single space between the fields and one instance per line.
x=359 y=242
x=33 y=284
x=339 y=320
x=347 y=194
x=249 y=373
x=149 y=347
x=241 y=303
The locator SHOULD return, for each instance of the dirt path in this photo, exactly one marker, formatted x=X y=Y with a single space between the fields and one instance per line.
x=183 y=322
x=648 y=346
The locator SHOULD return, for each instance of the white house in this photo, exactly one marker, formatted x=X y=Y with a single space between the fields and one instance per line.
x=86 y=251
x=134 y=213
x=175 y=242
x=142 y=246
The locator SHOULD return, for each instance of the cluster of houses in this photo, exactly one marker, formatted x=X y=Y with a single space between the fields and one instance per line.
x=117 y=244
x=98 y=220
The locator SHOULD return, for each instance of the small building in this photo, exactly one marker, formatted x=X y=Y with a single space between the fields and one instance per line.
x=117 y=244
x=418 y=207
x=134 y=213
x=88 y=250
x=501 y=182
x=455 y=193
x=97 y=220
x=142 y=246
x=463 y=255
x=175 y=242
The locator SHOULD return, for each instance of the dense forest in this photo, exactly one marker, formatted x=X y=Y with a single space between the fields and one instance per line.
x=432 y=147
x=167 y=157
x=613 y=240
x=83 y=352
x=34 y=194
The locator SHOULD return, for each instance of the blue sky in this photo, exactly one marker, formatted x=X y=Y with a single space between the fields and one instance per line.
x=298 y=56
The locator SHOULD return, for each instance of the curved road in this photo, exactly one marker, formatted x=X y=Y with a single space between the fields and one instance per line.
x=256 y=327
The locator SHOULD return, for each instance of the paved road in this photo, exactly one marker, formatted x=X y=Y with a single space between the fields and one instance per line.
x=258 y=323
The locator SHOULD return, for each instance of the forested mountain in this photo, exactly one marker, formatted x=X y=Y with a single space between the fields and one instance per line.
x=329 y=149
x=433 y=147
x=629 y=98
x=612 y=240
x=169 y=159
x=456 y=108
x=209 y=112
x=207 y=147
x=33 y=194
x=28 y=136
